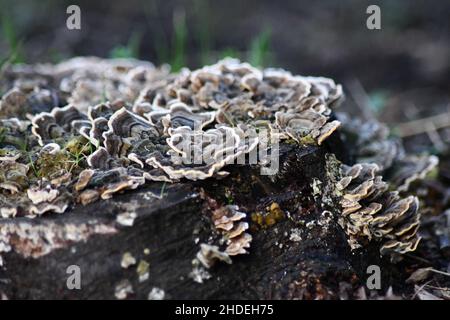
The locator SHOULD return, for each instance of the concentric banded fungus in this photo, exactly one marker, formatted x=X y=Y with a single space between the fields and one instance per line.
x=83 y=179
x=241 y=93
x=38 y=195
x=12 y=103
x=58 y=123
x=100 y=127
x=228 y=221
x=12 y=139
x=108 y=182
x=371 y=142
x=198 y=155
x=153 y=126
x=239 y=245
x=126 y=128
x=370 y=212
x=98 y=116
x=35 y=201
x=13 y=176
x=410 y=169
x=58 y=205
x=89 y=81
x=179 y=115
x=305 y=123
x=129 y=138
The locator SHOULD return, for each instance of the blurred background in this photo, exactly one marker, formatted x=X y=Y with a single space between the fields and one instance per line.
x=399 y=74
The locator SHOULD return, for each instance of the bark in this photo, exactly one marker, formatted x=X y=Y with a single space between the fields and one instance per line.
x=304 y=255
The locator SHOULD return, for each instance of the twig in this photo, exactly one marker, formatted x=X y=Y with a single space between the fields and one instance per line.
x=434 y=136
x=431 y=130
x=440 y=272
x=438 y=288
x=420 y=289
x=423 y=125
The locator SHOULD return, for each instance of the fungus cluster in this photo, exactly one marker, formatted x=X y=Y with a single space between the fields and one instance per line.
x=371 y=212
x=230 y=233
x=370 y=143
x=87 y=128
x=229 y=221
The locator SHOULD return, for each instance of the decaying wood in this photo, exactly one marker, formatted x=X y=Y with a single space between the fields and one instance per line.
x=303 y=255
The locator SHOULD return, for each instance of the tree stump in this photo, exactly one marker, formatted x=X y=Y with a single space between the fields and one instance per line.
x=302 y=255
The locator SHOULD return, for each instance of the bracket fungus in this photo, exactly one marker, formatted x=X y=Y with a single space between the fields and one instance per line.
x=371 y=212
x=228 y=221
x=88 y=128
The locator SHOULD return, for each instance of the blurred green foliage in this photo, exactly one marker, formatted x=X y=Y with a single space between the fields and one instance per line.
x=259 y=54
x=179 y=41
x=172 y=48
x=8 y=32
x=130 y=50
x=170 y=43
x=230 y=52
x=202 y=30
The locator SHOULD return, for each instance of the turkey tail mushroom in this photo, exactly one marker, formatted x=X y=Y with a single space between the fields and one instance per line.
x=372 y=213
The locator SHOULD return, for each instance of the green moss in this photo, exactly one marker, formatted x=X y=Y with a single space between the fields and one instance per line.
x=291 y=141
x=52 y=165
x=78 y=150
x=77 y=145
x=308 y=140
x=72 y=158
x=12 y=140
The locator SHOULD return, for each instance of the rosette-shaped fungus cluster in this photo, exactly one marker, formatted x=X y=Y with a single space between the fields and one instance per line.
x=370 y=143
x=87 y=128
x=83 y=82
x=372 y=212
x=299 y=107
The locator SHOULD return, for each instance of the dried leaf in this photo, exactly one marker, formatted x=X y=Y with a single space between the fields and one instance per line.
x=419 y=275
